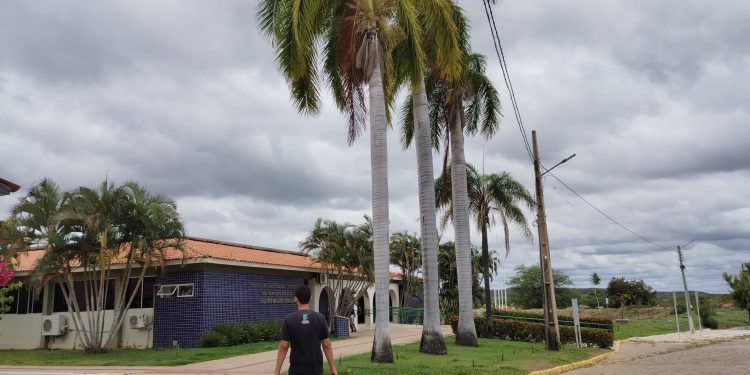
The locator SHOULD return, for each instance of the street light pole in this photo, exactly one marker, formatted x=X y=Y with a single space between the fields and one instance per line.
x=551 y=328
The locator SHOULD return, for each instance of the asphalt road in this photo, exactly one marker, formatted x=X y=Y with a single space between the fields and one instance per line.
x=655 y=358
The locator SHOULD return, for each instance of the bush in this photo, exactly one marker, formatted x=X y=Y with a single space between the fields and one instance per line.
x=212 y=339
x=241 y=333
x=517 y=330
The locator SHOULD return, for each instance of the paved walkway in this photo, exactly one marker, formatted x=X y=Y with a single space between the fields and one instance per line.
x=258 y=363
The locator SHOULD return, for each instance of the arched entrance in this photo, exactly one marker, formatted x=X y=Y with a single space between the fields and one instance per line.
x=324 y=303
x=390 y=305
x=361 y=310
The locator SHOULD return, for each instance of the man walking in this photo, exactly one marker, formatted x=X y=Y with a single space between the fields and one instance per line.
x=306 y=331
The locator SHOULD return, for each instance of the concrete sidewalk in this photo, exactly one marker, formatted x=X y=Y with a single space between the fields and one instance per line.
x=258 y=363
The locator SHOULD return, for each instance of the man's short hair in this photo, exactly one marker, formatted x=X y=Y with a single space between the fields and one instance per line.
x=303 y=294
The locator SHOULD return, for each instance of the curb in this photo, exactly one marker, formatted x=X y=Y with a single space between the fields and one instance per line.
x=576 y=365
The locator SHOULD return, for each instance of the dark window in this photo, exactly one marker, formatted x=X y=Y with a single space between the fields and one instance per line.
x=26 y=304
x=149 y=283
x=144 y=296
x=60 y=305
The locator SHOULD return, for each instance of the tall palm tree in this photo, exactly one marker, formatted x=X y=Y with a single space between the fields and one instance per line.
x=357 y=37
x=491 y=195
x=445 y=45
x=469 y=104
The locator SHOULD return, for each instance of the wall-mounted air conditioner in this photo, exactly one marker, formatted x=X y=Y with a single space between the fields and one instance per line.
x=137 y=321
x=53 y=325
x=322 y=278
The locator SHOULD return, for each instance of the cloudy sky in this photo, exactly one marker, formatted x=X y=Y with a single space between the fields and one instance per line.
x=184 y=97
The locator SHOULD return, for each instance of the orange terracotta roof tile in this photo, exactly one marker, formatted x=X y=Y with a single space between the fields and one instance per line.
x=196 y=248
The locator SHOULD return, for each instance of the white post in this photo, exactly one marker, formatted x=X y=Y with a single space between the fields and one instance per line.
x=676 y=317
x=698 y=308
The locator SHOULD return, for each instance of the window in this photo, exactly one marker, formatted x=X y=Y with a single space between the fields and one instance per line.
x=181 y=290
x=185 y=290
x=167 y=290
x=144 y=296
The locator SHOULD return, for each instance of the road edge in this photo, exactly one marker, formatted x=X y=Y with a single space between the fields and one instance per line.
x=580 y=364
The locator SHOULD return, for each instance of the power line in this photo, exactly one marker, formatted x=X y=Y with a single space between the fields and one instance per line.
x=506 y=75
x=605 y=215
x=509 y=85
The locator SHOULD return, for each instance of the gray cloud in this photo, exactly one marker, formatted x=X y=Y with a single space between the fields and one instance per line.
x=185 y=98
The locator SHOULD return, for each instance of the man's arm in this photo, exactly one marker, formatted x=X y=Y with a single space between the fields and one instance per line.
x=281 y=355
x=328 y=350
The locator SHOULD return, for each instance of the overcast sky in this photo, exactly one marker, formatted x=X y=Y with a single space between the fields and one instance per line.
x=184 y=97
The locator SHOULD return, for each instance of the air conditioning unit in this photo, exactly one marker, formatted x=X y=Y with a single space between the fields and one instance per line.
x=137 y=321
x=53 y=325
x=322 y=278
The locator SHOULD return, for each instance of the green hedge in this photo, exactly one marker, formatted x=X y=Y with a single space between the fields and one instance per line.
x=563 y=320
x=241 y=333
x=517 y=330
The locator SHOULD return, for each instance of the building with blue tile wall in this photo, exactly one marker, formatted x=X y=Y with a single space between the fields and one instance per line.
x=219 y=297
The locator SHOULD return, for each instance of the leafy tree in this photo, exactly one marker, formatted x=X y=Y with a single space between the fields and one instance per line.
x=595 y=279
x=449 y=303
x=527 y=291
x=345 y=252
x=406 y=253
x=86 y=231
x=624 y=293
x=490 y=196
x=740 y=285
x=11 y=242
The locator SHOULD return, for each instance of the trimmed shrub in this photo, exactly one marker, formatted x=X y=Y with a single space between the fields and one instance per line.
x=241 y=333
x=517 y=330
x=212 y=339
x=563 y=320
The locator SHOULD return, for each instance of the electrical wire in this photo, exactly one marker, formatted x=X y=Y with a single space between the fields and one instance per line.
x=509 y=85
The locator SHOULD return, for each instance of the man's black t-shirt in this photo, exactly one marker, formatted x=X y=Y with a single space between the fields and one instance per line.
x=305 y=329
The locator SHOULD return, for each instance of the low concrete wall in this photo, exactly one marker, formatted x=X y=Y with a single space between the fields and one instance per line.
x=25 y=332
x=21 y=331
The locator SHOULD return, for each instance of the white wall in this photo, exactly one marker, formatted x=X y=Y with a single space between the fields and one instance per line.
x=22 y=331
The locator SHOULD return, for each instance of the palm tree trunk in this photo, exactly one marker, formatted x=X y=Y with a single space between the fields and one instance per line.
x=432 y=341
x=466 y=334
x=486 y=273
x=381 y=345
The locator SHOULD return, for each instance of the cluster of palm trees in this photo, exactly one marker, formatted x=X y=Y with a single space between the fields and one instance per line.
x=381 y=46
x=93 y=229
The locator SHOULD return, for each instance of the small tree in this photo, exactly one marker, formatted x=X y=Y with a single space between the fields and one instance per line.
x=740 y=285
x=595 y=279
x=11 y=242
x=406 y=253
x=624 y=293
x=346 y=254
x=86 y=231
x=527 y=289
x=448 y=273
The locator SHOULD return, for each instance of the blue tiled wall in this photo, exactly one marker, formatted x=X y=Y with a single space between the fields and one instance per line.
x=218 y=298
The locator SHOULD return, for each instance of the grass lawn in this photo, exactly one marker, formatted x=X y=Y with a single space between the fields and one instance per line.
x=491 y=357
x=729 y=318
x=128 y=357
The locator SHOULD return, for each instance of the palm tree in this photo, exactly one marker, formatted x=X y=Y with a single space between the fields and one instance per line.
x=445 y=46
x=489 y=196
x=357 y=37
x=467 y=104
x=90 y=230
x=406 y=253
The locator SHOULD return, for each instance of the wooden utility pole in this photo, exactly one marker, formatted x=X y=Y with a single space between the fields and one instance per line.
x=551 y=329
x=687 y=294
